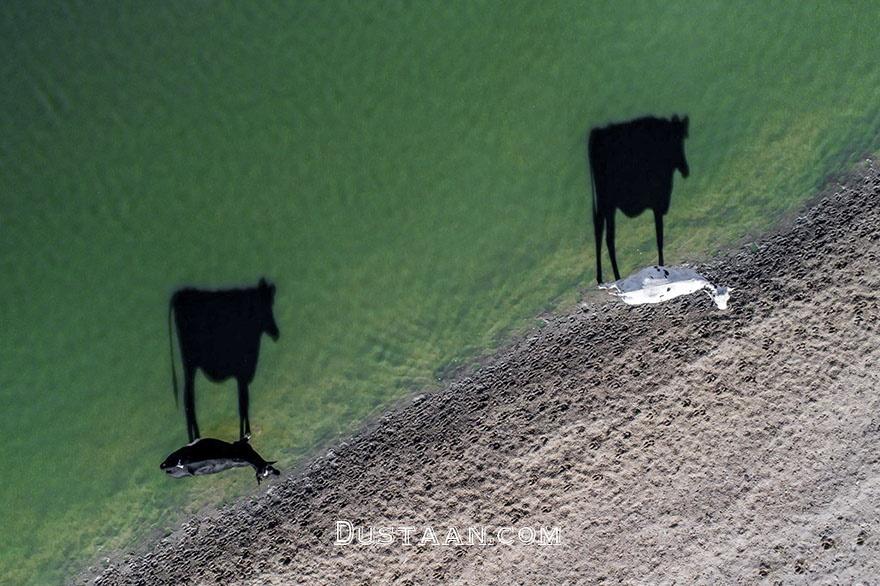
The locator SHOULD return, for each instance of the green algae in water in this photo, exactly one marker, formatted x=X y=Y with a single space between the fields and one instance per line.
x=412 y=177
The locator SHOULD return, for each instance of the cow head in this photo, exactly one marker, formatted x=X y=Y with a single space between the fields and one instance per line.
x=264 y=472
x=680 y=133
x=267 y=300
x=247 y=453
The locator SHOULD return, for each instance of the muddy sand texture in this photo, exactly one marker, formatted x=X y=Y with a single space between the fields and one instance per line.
x=671 y=443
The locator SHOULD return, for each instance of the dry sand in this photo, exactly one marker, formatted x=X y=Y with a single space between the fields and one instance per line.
x=670 y=444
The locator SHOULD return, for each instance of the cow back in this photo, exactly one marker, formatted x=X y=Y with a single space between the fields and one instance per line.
x=632 y=165
x=219 y=331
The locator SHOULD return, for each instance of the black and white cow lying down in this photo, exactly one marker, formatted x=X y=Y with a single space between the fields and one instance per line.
x=209 y=456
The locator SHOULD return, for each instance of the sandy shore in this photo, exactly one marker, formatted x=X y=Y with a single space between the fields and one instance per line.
x=670 y=444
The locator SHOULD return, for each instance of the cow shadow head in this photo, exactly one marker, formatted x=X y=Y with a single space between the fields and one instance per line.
x=267 y=301
x=680 y=126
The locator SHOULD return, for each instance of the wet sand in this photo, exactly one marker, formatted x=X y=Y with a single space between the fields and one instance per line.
x=670 y=443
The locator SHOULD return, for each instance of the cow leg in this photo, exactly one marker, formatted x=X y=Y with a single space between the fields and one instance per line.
x=597 y=230
x=244 y=422
x=658 y=224
x=189 y=402
x=609 y=240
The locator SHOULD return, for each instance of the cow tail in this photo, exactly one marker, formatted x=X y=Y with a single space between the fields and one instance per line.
x=171 y=348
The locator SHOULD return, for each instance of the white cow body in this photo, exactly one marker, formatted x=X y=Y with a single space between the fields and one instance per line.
x=657 y=284
x=205 y=467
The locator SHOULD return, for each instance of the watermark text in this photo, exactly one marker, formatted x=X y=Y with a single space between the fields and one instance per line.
x=347 y=533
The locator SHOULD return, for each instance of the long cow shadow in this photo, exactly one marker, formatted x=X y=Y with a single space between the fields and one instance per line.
x=219 y=332
x=631 y=166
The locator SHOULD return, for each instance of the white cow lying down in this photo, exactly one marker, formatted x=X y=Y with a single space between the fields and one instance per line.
x=657 y=284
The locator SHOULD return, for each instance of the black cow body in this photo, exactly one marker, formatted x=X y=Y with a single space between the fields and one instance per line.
x=631 y=165
x=209 y=456
x=219 y=332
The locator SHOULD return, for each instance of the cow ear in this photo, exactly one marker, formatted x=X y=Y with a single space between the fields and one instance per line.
x=675 y=117
x=262 y=283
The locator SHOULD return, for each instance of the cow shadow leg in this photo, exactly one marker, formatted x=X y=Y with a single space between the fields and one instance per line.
x=597 y=230
x=658 y=225
x=189 y=403
x=244 y=421
x=609 y=240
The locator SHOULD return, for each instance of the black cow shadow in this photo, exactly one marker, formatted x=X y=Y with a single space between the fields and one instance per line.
x=631 y=166
x=219 y=332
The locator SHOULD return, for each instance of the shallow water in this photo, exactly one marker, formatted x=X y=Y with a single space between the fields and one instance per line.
x=412 y=178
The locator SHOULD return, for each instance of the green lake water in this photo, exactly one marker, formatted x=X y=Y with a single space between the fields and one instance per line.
x=411 y=175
